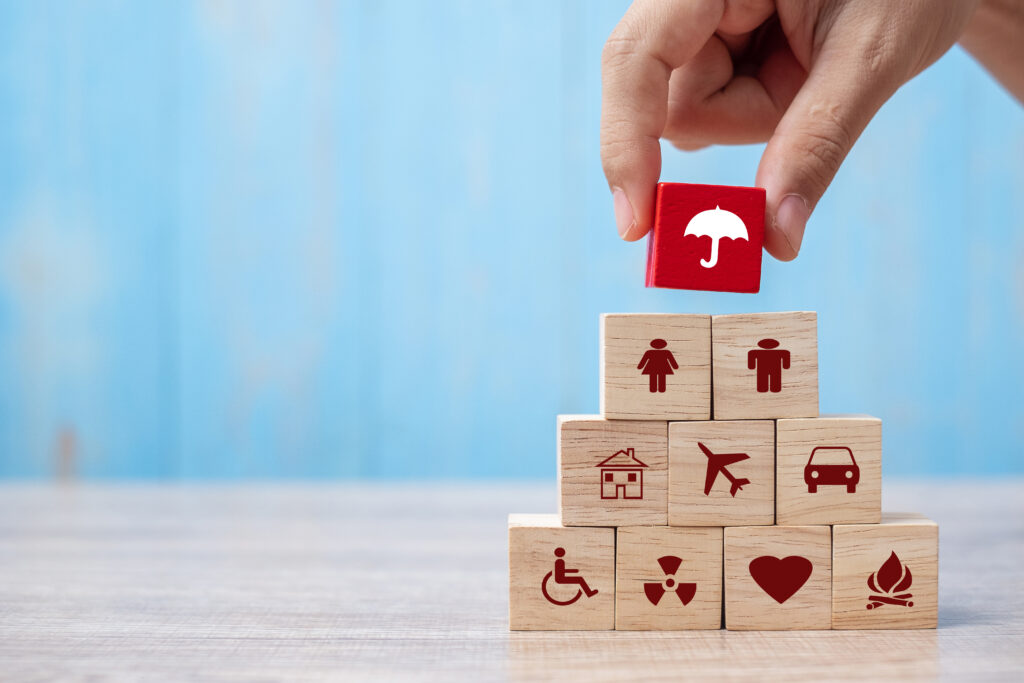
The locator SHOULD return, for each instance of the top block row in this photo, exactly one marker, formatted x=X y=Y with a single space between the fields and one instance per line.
x=702 y=367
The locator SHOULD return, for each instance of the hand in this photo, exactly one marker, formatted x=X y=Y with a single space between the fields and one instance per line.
x=805 y=75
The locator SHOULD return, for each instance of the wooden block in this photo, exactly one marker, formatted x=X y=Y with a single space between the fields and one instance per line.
x=778 y=578
x=538 y=549
x=829 y=470
x=886 y=575
x=655 y=366
x=765 y=365
x=706 y=237
x=668 y=578
x=612 y=472
x=702 y=456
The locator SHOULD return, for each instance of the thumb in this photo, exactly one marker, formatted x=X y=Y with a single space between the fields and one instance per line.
x=652 y=39
x=843 y=91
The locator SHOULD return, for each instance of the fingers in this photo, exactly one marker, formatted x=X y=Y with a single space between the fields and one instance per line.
x=849 y=82
x=653 y=38
x=708 y=104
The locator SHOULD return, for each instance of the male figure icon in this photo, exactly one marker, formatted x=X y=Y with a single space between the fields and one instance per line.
x=769 y=361
x=657 y=362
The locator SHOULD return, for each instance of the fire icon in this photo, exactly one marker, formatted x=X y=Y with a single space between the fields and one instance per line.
x=889 y=584
x=655 y=589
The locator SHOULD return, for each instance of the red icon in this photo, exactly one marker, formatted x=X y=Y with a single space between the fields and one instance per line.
x=656 y=363
x=622 y=476
x=717 y=462
x=780 y=578
x=831 y=466
x=769 y=361
x=706 y=237
x=888 y=584
x=656 y=589
x=563 y=577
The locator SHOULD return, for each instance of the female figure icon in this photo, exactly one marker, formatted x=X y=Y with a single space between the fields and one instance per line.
x=657 y=363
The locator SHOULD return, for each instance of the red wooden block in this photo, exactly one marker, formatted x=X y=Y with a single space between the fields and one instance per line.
x=707 y=237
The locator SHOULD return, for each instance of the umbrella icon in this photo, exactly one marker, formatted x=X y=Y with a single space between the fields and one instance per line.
x=716 y=223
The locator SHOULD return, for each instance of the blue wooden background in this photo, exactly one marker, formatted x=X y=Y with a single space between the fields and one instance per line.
x=316 y=239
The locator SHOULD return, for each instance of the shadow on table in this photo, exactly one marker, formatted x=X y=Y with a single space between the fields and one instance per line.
x=616 y=655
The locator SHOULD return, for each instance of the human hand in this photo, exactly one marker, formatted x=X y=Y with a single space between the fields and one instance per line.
x=805 y=75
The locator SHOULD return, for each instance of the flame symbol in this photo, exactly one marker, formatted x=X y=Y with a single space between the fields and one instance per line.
x=889 y=582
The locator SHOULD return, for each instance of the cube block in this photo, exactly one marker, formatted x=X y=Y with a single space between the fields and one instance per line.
x=612 y=472
x=829 y=470
x=710 y=492
x=559 y=578
x=706 y=237
x=656 y=367
x=765 y=365
x=702 y=456
x=778 y=578
x=668 y=578
x=886 y=575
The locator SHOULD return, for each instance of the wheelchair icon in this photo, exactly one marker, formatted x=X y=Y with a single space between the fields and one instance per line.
x=564 y=576
x=544 y=590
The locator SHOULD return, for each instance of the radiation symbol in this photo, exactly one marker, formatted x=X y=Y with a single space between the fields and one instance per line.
x=656 y=589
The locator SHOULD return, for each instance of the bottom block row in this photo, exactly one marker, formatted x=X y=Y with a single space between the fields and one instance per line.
x=856 y=576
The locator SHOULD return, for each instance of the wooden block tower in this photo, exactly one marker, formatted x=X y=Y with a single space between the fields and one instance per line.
x=711 y=493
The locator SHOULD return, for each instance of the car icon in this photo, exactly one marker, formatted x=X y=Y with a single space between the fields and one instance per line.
x=831 y=466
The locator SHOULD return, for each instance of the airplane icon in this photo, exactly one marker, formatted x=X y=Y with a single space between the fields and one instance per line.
x=717 y=463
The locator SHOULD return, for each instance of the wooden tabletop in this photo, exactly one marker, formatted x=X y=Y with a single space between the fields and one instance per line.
x=353 y=581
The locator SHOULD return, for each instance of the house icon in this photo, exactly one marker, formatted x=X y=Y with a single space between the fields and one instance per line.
x=622 y=476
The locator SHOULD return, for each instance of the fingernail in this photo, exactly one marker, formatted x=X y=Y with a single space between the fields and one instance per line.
x=623 y=212
x=791 y=219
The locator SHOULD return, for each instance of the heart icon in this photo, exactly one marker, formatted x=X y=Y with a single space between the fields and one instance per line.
x=781 y=578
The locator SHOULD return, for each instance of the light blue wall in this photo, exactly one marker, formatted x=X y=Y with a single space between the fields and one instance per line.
x=373 y=239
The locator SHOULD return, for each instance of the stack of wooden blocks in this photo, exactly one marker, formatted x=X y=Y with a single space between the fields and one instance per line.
x=711 y=493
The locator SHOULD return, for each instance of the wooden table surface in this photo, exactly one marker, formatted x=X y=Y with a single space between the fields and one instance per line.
x=359 y=581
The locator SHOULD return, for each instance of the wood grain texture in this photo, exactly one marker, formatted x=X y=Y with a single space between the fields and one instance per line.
x=625 y=390
x=584 y=442
x=532 y=542
x=828 y=504
x=637 y=550
x=408 y=582
x=859 y=550
x=754 y=503
x=736 y=395
x=748 y=607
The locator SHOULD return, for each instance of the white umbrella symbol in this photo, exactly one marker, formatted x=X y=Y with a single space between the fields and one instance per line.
x=716 y=223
